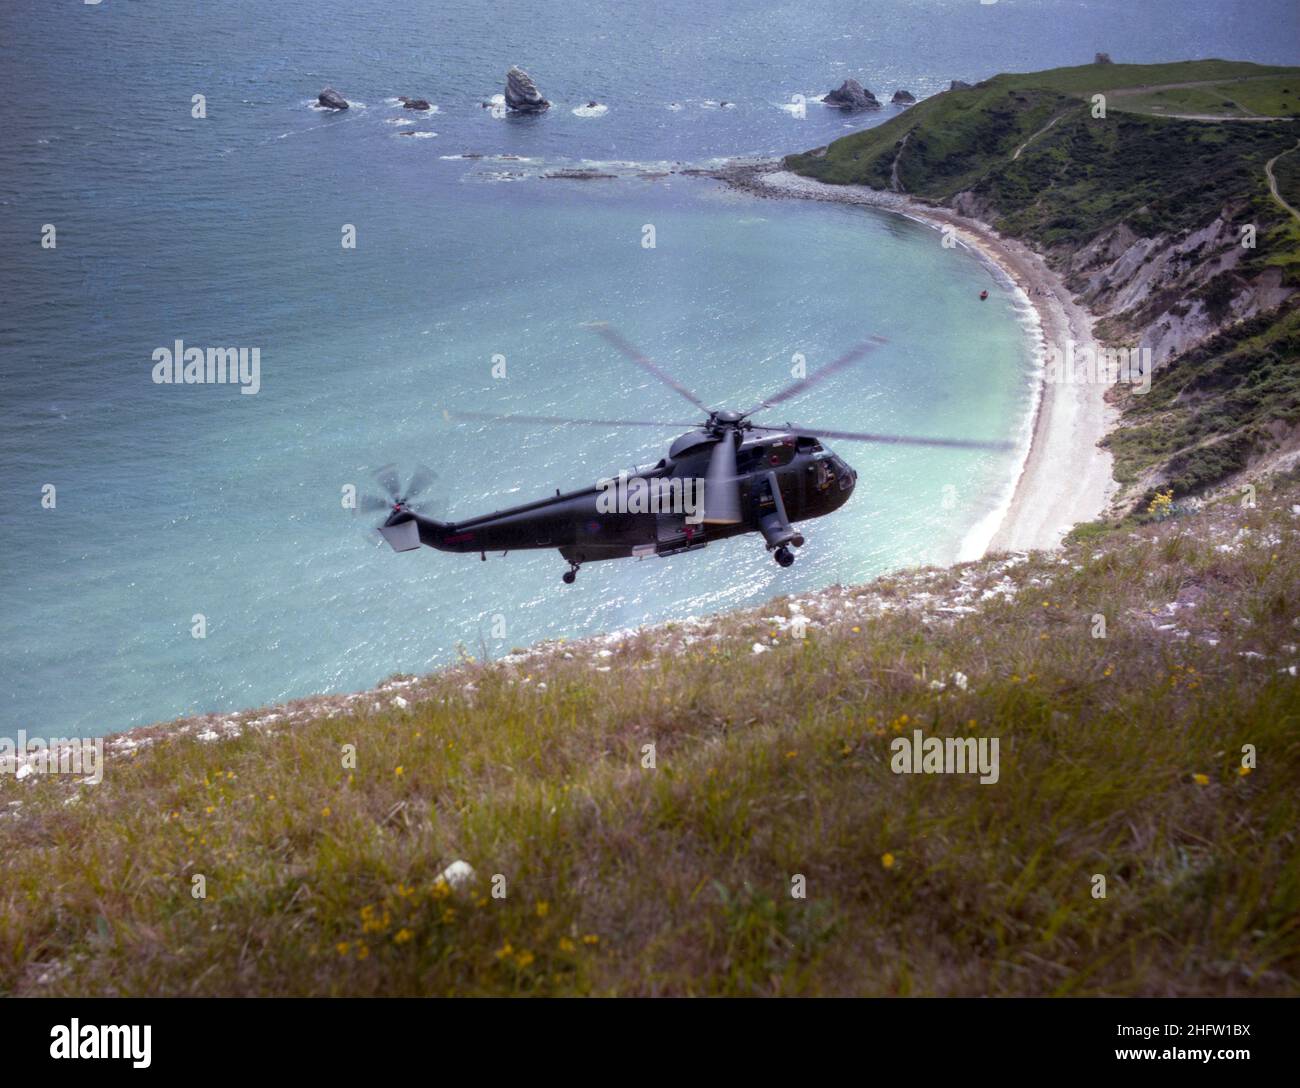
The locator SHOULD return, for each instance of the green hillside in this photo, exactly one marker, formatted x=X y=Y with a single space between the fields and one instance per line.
x=1064 y=183
x=1027 y=152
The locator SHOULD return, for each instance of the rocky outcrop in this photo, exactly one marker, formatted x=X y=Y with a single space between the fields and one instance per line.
x=522 y=95
x=414 y=103
x=332 y=100
x=1165 y=292
x=1157 y=290
x=959 y=85
x=851 y=95
x=578 y=175
x=1102 y=58
x=903 y=98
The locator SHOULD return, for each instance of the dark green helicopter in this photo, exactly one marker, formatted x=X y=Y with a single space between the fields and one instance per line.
x=724 y=477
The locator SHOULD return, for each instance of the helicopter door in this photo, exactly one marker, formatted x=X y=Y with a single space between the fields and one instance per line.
x=670 y=528
x=675 y=535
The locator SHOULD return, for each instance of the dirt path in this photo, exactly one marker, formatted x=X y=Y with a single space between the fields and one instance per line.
x=1211 y=117
x=894 y=184
x=1147 y=88
x=1272 y=181
x=1016 y=154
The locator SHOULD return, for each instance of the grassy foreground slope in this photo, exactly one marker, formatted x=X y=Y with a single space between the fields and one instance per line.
x=1121 y=757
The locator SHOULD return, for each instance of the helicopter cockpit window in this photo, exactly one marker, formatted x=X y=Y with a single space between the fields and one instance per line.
x=780 y=454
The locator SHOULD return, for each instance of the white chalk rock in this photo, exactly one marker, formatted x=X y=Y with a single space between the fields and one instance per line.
x=457 y=874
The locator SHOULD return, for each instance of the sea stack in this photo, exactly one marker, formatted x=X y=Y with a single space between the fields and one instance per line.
x=522 y=95
x=903 y=98
x=332 y=100
x=851 y=95
x=414 y=103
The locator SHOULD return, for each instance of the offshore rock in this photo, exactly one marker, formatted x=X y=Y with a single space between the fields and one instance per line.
x=851 y=95
x=522 y=95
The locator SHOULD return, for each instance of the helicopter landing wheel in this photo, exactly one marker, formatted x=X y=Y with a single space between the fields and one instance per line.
x=784 y=557
x=797 y=540
x=570 y=576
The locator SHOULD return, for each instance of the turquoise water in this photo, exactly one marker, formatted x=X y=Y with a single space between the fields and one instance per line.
x=177 y=500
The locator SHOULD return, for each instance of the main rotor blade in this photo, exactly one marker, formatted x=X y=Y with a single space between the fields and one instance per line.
x=897 y=439
x=721 y=488
x=387 y=477
x=646 y=364
x=847 y=359
x=421 y=480
x=487 y=416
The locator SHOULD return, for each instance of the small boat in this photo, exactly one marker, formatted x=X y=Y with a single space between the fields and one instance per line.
x=983 y=295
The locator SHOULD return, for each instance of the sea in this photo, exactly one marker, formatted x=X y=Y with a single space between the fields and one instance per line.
x=172 y=549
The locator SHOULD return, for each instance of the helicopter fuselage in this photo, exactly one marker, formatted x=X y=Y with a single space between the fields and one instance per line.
x=783 y=478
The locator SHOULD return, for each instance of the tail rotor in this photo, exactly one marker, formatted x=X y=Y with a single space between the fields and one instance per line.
x=399 y=527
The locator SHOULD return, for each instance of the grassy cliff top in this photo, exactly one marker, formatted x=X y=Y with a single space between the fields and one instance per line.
x=1121 y=757
x=1027 y=132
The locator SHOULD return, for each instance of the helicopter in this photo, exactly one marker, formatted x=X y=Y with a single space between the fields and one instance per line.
x=724 y=477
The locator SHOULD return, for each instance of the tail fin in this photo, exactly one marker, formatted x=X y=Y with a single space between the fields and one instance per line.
x=406 y=531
